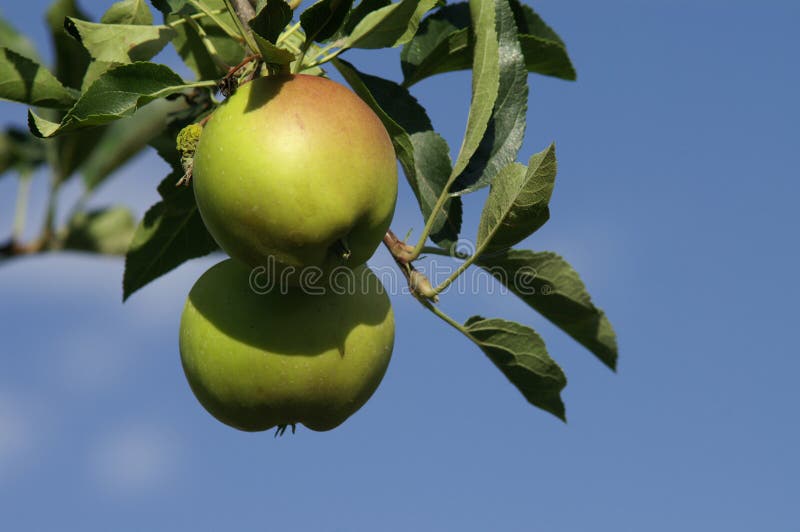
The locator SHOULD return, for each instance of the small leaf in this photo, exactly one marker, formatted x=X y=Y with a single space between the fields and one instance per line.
x=423 y=154
x=116 y=94
x=485 y=80
x=72 y=59
x=506 y=128
x=267 y=26
x=271 y=20
x=171 y=233
x=13 y=40
x=444 y=44
x=517 y=202
x=26 y=81
x=106 y=231
x=119 y=43
x=322 y=20
x=547 y=283
x=271 y=53
x=521 y=355
x=389 y=26
x=128 y=12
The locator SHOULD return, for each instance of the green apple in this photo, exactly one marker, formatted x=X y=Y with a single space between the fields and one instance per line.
x=259 y=360
x=297 y=168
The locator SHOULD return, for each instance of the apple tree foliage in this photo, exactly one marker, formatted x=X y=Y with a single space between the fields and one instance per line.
x=103 y=101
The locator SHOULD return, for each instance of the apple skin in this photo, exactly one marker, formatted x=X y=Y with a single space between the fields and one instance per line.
x=291 y=164
x=256 y=361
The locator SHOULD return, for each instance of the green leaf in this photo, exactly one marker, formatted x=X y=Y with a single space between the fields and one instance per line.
x=545 y=52
x=267 y=26
x=128 y=12
x=107 y=231
x=521 y=355
x=116 y=94
x=389 y=26
x=423 y=154
x=13 y=40
x=171 y=233
x=357 y=14
x=444 y=44
x=72 y=59
x=126 y=138
x=322 y=20
x=547 y=283
x=26 y=81
x=485 y=80
x=19 y=150
x=506 y=128
x=189 y=45
x=119 y=43
x=271 y=20
x=517 y=202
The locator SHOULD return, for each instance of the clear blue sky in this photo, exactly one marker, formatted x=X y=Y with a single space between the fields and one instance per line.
x=677 y=201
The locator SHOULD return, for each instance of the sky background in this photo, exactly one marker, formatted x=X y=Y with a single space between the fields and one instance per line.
x=676 y=200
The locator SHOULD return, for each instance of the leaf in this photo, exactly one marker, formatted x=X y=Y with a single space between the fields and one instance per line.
x=13 y=40
x=547 y=283
x=107 y=231
x=517 y=202
x=126 y=138
x=189 y=45
x=128 y=12
x=119 y=43
x=389 y=26
x=357 y=14
x=20 y=150
x=116 y=94
x=545 y=52
x=485 y=80
x=271 y=20
x=170 y=233
x=423 y=154
x=26 y=81
x=444 y=44
x=72 y=59
x=506 y=128
x=521 y=355
x=267 y=26
x=322 y=20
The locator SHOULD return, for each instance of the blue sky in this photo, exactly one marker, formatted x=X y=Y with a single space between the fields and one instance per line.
x=676 y=200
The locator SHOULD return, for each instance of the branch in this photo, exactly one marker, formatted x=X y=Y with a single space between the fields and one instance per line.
x=244 y=10
x=417 y=281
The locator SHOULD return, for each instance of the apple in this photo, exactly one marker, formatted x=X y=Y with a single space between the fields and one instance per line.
x=297 y=168
x=261 y=360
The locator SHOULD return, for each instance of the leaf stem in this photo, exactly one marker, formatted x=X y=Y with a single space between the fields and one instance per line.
x=212 y=50
x=196 y=16
x=426 y=231
x=21 y=206
x=324 y=59
x=447 y=319
x=298 y=65
x=213 y=15
x=288 y=33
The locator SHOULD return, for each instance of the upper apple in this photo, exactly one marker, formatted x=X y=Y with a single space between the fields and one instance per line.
x=297 y=168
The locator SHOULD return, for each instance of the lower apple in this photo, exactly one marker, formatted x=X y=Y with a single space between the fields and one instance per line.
x=261 y=360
